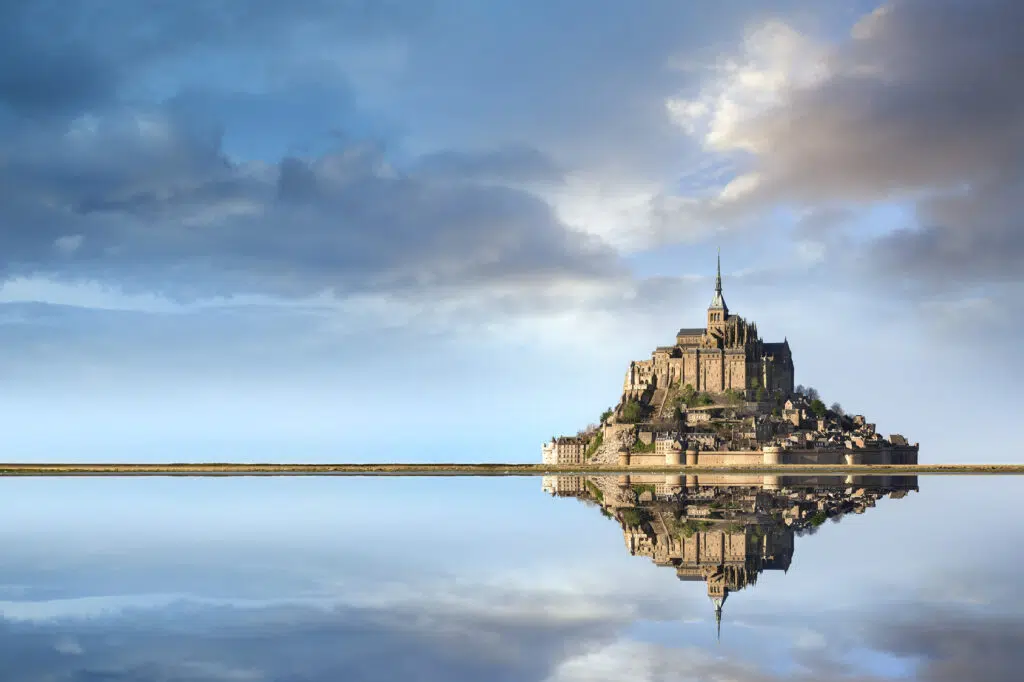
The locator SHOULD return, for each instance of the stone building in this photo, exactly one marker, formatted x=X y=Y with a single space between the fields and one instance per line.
x=727 y=353
x=564 y=450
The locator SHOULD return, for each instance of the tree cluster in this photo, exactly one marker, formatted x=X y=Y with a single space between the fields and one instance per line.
x=632 y=412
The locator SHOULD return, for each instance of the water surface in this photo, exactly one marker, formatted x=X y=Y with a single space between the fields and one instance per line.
x=511 y=579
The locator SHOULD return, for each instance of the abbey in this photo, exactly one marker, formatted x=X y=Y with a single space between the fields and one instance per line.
x=727 y=354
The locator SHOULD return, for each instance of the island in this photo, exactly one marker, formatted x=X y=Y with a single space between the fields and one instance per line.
x=721 y=396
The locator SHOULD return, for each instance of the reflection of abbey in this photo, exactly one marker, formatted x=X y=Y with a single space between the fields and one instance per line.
x=723 y=397
x=726 y=354
x=724 y=530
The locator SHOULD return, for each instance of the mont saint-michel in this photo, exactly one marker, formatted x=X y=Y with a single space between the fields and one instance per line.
x=722 y=396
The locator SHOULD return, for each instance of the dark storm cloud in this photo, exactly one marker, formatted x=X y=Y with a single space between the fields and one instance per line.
x=924 y=102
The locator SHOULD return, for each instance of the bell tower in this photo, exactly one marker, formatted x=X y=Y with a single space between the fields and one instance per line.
x=718 y=311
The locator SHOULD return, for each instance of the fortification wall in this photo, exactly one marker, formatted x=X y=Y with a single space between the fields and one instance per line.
x=812 y=457
x=734 y=458
x=646 y=459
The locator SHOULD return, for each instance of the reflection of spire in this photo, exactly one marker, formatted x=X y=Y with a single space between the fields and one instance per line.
x=718 y=601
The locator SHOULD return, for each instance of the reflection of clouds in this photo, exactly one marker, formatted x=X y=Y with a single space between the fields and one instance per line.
x=497 y=636
x=192 y=642
x=810 y=639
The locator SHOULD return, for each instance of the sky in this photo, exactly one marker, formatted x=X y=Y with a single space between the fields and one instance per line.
x=440 y=230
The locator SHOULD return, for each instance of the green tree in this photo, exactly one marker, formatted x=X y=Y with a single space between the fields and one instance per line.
x=837 y=408
x=604 y=415
x=705 y=399
x=632 y=412
x=640 y=446
x=688 y=395
x=762 y=394
x=818 y=408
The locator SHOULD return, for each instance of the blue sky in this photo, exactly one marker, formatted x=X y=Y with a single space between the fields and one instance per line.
x=440 y=230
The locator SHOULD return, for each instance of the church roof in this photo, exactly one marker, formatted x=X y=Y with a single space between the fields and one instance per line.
x=691 y=331
x=771 y=348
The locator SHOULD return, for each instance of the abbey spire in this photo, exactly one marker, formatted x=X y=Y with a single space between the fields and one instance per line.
x=718 y=302
x=718 y=277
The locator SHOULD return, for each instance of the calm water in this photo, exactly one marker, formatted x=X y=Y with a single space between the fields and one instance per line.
x=511 y=579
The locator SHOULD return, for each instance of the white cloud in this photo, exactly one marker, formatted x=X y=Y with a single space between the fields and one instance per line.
x=618 y=213
x=739 y=186
x=773 y=59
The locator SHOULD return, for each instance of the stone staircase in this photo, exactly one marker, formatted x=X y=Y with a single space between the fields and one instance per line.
x=667 y=405
x=658 y=400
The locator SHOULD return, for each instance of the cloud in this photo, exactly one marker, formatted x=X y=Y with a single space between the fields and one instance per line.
x=515 y=164
x=69 y=243
x=152 y=202
x=244 y=152
x=60 y=58
x=919 y=104
x=774 y=58
x=126 y=183
x=69 y=646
